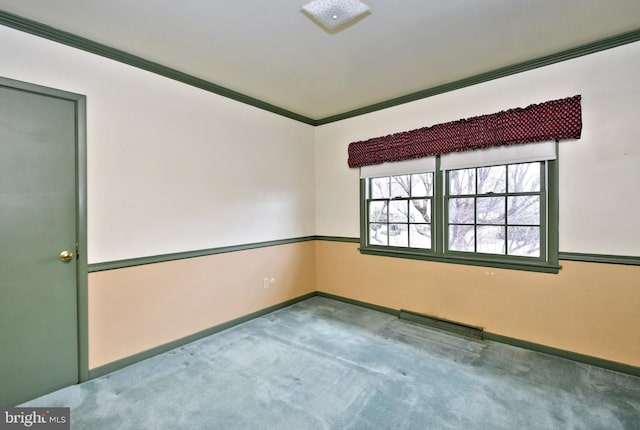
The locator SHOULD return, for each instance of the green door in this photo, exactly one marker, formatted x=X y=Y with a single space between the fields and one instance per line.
x=38 y=221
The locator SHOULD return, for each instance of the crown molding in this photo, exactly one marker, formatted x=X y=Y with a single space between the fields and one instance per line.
x=69 y=39
x=590 y=48
x=74 y=41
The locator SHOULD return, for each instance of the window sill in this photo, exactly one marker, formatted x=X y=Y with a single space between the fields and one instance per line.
x=475 y=261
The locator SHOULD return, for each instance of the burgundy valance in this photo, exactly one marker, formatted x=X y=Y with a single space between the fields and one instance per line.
x=552 y=120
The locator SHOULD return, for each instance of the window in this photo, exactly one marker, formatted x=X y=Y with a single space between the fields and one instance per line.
x=501 y=215
x=400 y=211
x=493 y=199
x=495 y=210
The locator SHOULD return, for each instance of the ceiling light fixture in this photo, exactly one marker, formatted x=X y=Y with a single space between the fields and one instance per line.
x=335 y=13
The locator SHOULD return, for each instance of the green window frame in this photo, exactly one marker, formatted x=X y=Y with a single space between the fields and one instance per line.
x=400 y=211
x=483 y=223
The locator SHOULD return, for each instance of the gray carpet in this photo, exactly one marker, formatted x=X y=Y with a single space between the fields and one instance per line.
x=323 y=364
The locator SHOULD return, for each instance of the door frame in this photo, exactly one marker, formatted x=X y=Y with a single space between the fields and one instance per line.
x=80 y=102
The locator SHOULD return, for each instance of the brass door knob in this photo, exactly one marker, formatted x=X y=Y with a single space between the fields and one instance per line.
x=66 y=256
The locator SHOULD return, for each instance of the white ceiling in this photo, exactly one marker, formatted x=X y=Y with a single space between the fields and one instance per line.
x=271 y=51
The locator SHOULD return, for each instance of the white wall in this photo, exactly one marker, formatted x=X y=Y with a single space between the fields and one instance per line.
x=599 y=174
x=173 y=168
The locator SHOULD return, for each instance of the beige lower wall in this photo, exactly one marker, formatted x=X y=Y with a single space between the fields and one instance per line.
x=134 y=309
x=588 y=308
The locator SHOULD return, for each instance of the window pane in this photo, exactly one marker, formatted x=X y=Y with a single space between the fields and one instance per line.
x=523 y=210
x=491 y=239
x=398 y=235
x=461 y=238
x=375 y=234
x=400 y=186
x=462 y=182
x=524 y=177
x=377 y=211
x=380 y=188
x=490 y=210
x=524 y=241
x=461 y=211
x=398 y=210
x=492 y=179
x=422 y=185
x=420 y=236
x=420 y=210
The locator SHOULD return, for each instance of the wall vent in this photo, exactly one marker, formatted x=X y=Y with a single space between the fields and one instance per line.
x=442 y=324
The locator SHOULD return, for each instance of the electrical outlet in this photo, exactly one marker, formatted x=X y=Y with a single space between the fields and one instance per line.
x=265 y=283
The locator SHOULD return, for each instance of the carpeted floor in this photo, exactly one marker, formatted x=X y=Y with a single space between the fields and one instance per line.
x=323 y=364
